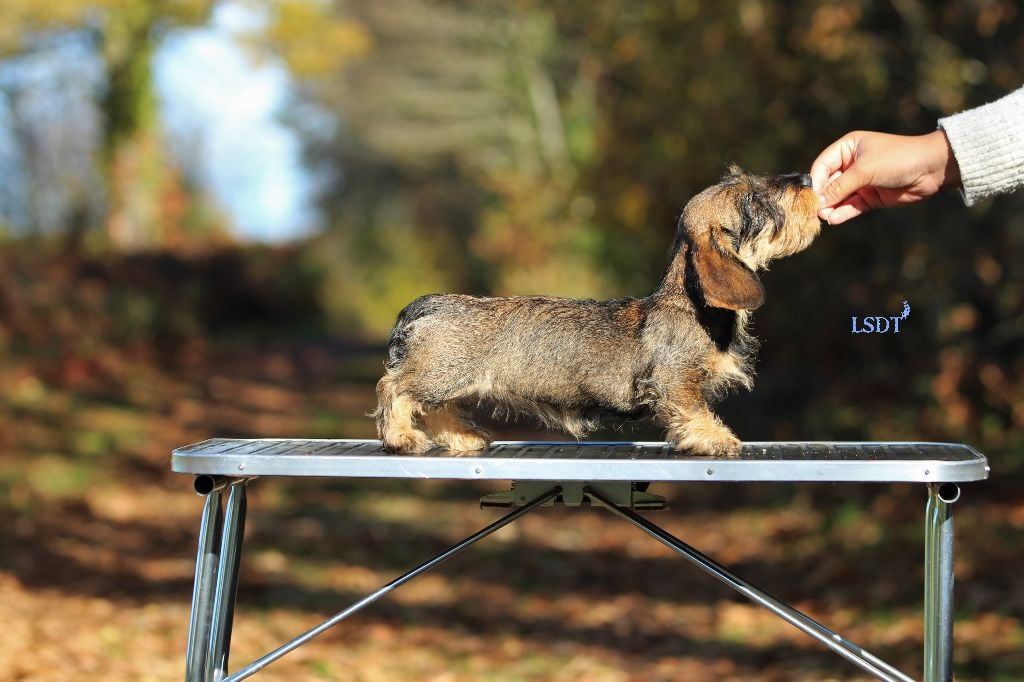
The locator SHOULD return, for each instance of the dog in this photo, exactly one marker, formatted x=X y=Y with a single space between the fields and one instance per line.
x=567 y=362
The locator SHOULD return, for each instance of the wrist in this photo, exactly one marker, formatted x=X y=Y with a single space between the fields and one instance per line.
x=944 y=168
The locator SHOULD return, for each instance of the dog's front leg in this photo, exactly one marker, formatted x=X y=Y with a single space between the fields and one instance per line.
x=692 y=426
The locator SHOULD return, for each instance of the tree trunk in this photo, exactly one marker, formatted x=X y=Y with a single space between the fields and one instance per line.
x=133 y=154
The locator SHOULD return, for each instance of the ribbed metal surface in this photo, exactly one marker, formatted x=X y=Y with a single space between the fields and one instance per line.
x=589 y=461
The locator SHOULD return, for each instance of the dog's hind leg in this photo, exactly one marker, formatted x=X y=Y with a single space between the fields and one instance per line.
x=396 y=414
x=451 y=428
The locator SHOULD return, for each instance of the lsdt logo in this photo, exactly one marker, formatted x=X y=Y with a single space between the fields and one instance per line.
x=878 y=324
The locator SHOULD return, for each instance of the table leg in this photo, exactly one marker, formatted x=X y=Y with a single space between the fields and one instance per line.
x=227 y=582
x=295 y=643
x=938 y=582
x=840 y=645
x=207 y=560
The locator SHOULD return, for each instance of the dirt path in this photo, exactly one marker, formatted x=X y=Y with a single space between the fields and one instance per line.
x=97 y=551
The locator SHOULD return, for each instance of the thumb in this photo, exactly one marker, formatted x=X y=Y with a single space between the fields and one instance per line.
x=851 y=180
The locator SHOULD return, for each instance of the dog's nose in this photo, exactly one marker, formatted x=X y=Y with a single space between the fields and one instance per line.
x=798 y=179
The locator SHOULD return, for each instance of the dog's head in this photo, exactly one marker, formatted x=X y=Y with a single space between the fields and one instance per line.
x=736 y=227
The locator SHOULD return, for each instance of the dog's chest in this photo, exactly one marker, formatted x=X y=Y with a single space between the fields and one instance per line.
x=728 y=368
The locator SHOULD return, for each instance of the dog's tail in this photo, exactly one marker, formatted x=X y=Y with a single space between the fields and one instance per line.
x=386 y=395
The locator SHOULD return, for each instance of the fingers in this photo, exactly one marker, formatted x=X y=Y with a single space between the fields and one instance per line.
x=851 y=208
x=835 y=175
x=834 y=159
x=836 y=191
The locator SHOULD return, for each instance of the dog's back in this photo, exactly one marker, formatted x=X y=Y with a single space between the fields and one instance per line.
x=522 y=348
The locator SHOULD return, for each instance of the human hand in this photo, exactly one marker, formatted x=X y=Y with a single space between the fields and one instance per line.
x=862 y=171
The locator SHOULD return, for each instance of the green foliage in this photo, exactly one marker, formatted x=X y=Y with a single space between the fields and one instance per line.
x=313 y=42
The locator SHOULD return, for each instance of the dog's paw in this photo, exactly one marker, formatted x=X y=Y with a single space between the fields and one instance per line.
x=705 y=437
x=726 y=446
x=408 y=443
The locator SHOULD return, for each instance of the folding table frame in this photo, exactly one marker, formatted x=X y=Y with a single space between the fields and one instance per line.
x=612 y=475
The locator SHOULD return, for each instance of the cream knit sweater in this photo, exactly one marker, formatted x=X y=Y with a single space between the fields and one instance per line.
x=988 y=143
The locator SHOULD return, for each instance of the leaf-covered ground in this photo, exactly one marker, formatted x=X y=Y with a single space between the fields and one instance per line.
x=98 y=541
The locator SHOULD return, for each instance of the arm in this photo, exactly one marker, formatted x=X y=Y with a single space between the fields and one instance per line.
x=989 y=146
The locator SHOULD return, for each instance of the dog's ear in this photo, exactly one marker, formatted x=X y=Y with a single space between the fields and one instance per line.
x=725 y=280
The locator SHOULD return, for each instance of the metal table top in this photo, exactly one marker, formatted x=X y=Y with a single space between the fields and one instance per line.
x=836 y=462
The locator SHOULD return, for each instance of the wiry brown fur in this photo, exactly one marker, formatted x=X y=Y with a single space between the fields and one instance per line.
x=670 y=355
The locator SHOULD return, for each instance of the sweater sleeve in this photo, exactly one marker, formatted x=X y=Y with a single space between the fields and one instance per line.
x=988 y=143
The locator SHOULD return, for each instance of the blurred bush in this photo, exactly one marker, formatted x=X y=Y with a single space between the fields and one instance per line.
x=70 y=315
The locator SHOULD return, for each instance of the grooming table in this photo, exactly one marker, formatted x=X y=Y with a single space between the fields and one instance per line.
x=610 y=475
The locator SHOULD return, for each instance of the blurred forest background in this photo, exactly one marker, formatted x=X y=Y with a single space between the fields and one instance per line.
x=493 y=148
